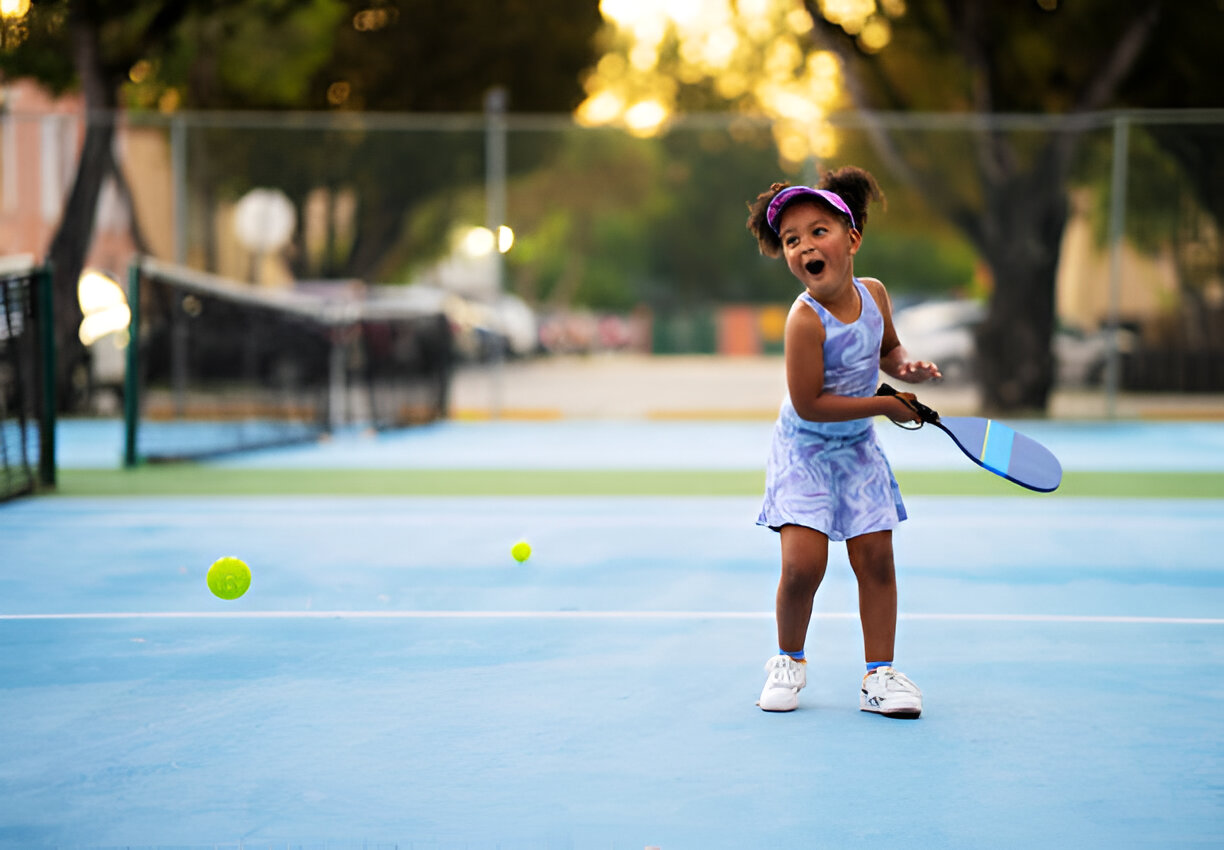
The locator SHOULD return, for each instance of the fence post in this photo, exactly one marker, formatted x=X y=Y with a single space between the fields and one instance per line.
x=1117 y=231
x=178 y=174
x=495 y=217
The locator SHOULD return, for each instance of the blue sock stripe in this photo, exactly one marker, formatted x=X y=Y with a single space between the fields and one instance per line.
x=798 y=656
x=873 y=665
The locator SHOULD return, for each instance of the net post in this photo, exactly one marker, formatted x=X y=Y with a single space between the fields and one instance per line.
x=131 y=375
x=46 y=340
x=337 y=387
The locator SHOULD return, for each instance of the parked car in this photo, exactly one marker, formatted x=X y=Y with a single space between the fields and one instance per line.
x=943 y=332
x=482 y=328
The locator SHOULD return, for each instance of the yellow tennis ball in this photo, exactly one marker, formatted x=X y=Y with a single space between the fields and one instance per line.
x=229 y=578
x=521 y=551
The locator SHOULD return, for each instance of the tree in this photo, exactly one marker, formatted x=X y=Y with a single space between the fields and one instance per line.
x=1006 y=192
x=92 y=44
x=1174 y=77
x=1002 y=58
x=284 y=54
x=423 y=56
x=418 y=56
x=378 y=56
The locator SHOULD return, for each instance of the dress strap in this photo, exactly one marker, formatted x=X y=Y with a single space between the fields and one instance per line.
x=824 y=314
x=865 y=300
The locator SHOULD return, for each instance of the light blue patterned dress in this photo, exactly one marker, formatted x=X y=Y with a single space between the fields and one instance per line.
x=833 y=476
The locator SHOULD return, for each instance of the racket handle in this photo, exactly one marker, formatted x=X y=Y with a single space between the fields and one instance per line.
x=925 y=413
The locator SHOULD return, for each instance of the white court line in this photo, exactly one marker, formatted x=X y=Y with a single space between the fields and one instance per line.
x=591 y=615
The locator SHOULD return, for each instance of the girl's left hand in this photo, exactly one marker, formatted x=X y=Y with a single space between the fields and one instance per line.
x=917 y=371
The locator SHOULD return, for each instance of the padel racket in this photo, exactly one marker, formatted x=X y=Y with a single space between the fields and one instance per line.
x=992 y=445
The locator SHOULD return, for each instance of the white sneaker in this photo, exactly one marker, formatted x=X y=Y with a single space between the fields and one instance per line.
x=887 y=692
x=786 y=678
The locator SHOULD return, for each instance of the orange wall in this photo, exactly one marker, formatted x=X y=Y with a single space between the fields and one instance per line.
x=40 y=140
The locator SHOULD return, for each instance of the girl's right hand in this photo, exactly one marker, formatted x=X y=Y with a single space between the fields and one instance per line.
x=899 y=411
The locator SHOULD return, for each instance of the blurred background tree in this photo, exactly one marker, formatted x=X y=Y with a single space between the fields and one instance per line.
x=359 y=58
x=1034 y=57
x=1174 y=77
x=1040 y=57
x=337 y=55
x=92 y=45
x=787 y=65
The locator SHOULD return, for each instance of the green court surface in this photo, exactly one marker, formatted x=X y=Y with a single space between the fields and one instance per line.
x=200 y=479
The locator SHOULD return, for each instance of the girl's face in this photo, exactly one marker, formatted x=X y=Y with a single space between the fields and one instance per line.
x=818 y=246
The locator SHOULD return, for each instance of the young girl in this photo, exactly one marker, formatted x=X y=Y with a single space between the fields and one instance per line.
x=827 y=477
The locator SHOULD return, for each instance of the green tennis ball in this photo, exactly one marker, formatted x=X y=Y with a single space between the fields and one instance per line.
x=521 y=551
x=229 y=578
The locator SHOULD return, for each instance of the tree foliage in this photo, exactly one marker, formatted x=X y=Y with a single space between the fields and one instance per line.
x=1031 y=57
x=423 y=56
x=416 y=56
x=381 y=57
x=1005 y=190
x=254 y=54
x=92 y=44
x=287 y=54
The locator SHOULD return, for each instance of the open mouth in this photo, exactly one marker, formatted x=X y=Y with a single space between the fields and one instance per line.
x=814 y=266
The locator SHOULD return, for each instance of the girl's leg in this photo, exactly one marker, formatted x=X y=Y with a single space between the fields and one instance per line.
x=884 y=690
x=805 y=554
x=871 y=557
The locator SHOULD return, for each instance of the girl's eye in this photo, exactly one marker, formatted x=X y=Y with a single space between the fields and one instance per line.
x=792 y=240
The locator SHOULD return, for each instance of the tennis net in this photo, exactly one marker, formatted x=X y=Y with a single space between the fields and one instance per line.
x=222 y=366
x=27 y=411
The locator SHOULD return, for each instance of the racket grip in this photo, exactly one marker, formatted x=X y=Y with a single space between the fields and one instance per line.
x=925 y=413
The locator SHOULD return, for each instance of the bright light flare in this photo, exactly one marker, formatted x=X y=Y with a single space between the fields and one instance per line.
x=98 y=325
x=875 y=35
x=104 y=306
x=14 y=8
x=850 y=15
x=478 y=242
x=603 y=108
x=645 y=118
x=97 y=292
x=757 y=55
x=481 y=242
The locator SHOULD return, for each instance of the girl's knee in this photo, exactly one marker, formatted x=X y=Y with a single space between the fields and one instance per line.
x=878 y=568
x=871 y=558
x=800 y=577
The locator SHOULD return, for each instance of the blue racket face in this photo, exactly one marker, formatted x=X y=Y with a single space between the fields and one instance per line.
x=1005 y=451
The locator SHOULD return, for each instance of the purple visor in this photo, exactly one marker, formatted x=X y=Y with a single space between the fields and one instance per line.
x=794 y=193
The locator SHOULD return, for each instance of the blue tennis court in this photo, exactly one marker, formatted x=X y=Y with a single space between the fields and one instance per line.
x=394 y=678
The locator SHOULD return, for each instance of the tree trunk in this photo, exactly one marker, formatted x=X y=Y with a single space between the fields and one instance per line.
x=71 y=242
x=1024 y=225
x=377 y=227
x=124 y=188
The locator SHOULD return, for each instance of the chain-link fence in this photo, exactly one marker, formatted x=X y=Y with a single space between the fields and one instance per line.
x=1102 y=229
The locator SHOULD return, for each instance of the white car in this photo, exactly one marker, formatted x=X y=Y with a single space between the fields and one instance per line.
x=943 y=332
